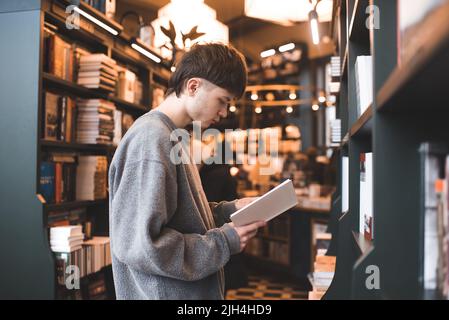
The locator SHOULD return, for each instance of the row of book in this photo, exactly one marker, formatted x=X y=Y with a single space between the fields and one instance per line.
x=68 y=177
x=89 y=121
x=70 y=248
x=275 y=251
x=93 y=70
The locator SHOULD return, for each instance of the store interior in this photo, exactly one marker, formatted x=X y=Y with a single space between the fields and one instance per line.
x=326 y=106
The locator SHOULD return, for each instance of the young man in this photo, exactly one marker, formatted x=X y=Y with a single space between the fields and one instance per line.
x=167 y=240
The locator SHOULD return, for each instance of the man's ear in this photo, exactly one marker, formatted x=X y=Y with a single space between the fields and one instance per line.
x=192 y=86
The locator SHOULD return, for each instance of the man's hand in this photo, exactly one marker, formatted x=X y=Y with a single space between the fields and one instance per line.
x=247 y=232
x=240 y=203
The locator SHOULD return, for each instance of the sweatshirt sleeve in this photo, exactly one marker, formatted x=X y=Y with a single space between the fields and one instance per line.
x=222 y=211
x=143 y=201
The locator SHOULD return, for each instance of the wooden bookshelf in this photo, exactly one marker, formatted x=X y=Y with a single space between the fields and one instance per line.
x=23 y=85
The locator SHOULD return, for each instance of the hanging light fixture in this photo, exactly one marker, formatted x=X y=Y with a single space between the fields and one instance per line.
x=292 y=95
x=313 y=19
x=232 y=109
x=289 y=109
x=315 y=107
x=258 y=110
x=203 y=17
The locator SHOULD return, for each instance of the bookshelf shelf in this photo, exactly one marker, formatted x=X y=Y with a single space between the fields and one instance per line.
x=45 y=144
x=52 y=81
x=364 y=125
x=362 y=244
x=72 y=205
x=67 y=86
x=127 y=106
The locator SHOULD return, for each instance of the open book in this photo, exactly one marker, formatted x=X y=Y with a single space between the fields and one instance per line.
x=268 y=206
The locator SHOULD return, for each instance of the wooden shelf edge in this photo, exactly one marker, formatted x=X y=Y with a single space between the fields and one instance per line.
x=73 y=204
x=91 y=93
x=76 y=146
x=364 y=124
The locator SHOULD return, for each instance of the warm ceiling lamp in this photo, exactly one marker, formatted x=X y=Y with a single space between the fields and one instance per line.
x=288 y=12
x=203 y=16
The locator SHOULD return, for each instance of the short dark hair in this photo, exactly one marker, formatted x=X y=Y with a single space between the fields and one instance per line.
x=222 y=65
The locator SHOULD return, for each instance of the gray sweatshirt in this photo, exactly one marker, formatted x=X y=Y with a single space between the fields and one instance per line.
x=165 y=241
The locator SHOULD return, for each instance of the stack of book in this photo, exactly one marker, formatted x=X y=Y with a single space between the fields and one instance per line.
x=335 y=67
x=95 y=122
x=97 y=71
x=321 y=278
x=335 y=132
x=66 y=238
x=91 y=178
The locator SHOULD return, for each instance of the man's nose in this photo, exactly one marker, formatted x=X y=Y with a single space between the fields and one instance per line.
x=224 y=112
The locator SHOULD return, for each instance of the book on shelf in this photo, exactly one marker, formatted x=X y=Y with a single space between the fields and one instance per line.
x=58 y=55
x=57 y=177
x=91 y=178
x=59 y=115
x=435 y=219
x=126 y=84
x=364 y=82
x=366 y=223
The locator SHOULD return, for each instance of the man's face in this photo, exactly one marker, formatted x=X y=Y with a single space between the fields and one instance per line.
x=207 y=102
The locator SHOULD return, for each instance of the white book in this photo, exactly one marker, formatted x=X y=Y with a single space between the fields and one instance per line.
x=65 y=248
x=268 y=206
x=66 y=231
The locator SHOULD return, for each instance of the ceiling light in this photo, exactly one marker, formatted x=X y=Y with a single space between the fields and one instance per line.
x=315 y=107
x=254 y=96
x=96 y=21
x=267 y=53
x=232 y=108
x=287 y=47
x=145 y=52
x=258 y=110
x=292 y=95
x=289 y=109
